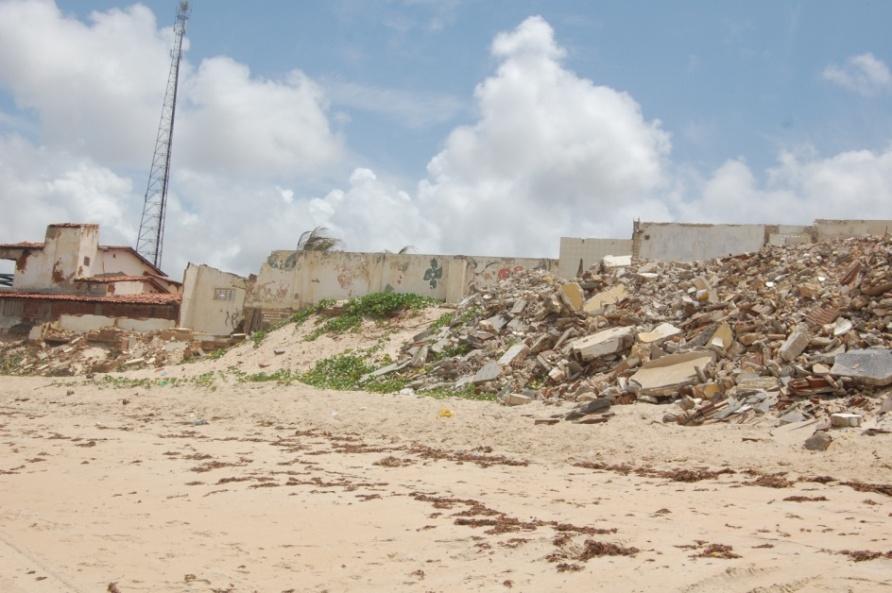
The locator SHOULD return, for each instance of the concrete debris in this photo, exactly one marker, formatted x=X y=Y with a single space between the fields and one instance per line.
x=819 y=441
x=742 y=337
x=52 y=351
x=843 y=419
x=873 y=366
x=516 y=399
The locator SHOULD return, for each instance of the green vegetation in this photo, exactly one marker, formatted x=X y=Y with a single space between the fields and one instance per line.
x=376 y=306
x=258 y=337
x=443 y=320
x=205 y=380
x=11 y=365
x=470 y=314
x=342 y=371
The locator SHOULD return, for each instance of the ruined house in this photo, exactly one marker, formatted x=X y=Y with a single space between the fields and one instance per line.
x=74 y=281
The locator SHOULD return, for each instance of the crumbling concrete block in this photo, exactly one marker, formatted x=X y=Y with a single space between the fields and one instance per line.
x=516 y=399
x=795 y=344
x=514 y=355
x=845 y=419
x=488 y=372
x=661 y=332
x=597 y=303
x=572 y=295
x=665 y=375
x=609 y=341
x=872 y=366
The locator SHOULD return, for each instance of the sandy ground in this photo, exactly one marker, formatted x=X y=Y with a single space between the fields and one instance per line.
x=272 y=489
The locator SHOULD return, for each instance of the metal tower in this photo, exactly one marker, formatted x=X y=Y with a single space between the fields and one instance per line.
x=150 y=241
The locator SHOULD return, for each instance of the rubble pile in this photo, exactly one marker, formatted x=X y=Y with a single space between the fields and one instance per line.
x=786 y=328
x=61 y=353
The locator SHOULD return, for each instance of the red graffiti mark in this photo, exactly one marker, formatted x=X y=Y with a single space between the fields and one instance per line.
x=504 y=273
x=345 y=280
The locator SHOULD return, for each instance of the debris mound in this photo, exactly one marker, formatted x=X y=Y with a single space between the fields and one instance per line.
x=788 y=328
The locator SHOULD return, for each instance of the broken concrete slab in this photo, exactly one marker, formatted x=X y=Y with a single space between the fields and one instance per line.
x=722 y=338
x=516 y=399
x=514 y=355
x=661 y=332
x=608 y=341
x=663 y=376
x=795 y=344
x=488 y=372
x=872 y=366
x=572 y=295
x=598 y=302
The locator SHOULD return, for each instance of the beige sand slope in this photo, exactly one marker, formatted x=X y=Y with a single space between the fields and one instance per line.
x=272 y=489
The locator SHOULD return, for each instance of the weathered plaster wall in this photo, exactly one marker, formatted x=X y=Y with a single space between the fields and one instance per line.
x=290 y=280
x=670 y=241
x=69 y=251
x=213 y=300
x=582 y=254
x=836 y=229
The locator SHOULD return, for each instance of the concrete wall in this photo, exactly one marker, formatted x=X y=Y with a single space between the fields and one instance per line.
x=584 y=253
x=29 y=311
x=69 y=251
x=213 y=300
x=671 y=241
x=837 y=229
x=290 y=280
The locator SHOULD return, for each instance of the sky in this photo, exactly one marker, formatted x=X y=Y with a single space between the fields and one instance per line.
x=454 y=126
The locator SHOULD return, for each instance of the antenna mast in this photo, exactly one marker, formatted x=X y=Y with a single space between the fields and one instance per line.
x=150 y=241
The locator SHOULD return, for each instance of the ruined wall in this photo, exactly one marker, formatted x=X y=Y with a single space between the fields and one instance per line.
x=837 y=229
x=90 y=322
x=671 y=241
x=289 y=280
x=69 y=251
x=584 y=253
x=27 y=312
x=213 y=300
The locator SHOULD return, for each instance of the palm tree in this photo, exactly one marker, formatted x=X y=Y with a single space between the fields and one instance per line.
x=317 y=239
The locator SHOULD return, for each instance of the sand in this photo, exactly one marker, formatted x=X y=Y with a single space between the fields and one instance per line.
x=286 y=488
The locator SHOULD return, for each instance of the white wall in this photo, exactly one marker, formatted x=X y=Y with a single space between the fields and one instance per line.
x=290 y=280
x=201 y=310
x=589 y=252
x=670 y=241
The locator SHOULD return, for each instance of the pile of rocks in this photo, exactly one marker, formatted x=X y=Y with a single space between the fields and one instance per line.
x=61 y=353
x=781 y=329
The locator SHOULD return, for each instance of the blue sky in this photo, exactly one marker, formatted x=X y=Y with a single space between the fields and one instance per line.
x=452 y=125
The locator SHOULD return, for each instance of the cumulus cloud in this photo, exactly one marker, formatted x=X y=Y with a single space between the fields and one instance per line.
x=96 y=88
x=551 y=152
x=864 y=74
x=800 y=188
x=408 y=108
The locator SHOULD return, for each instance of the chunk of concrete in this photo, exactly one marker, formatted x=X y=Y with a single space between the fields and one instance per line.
x=819 y=441
x=845 y=419
x=515 y=354
x=488 y=372
x=571 y=293
x=516 y=399
x=616 y=261
x=666 y=374
x=841 y=327
x=597 y=303
x=494 y=324
x=872 y=366
x=609 y=341
x=795 y=344
x=722 y=338
x=661 y=332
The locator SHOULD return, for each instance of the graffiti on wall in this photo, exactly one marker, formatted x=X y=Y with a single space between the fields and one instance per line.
x=433 y=274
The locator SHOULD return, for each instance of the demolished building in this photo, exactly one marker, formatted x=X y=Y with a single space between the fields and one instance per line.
x=72 y=281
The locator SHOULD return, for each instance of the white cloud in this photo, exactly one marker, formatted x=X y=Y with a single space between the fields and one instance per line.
x=96 y=89
x=412 y=109
x=800 y=188
x=550 y=153
x=864 y=74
